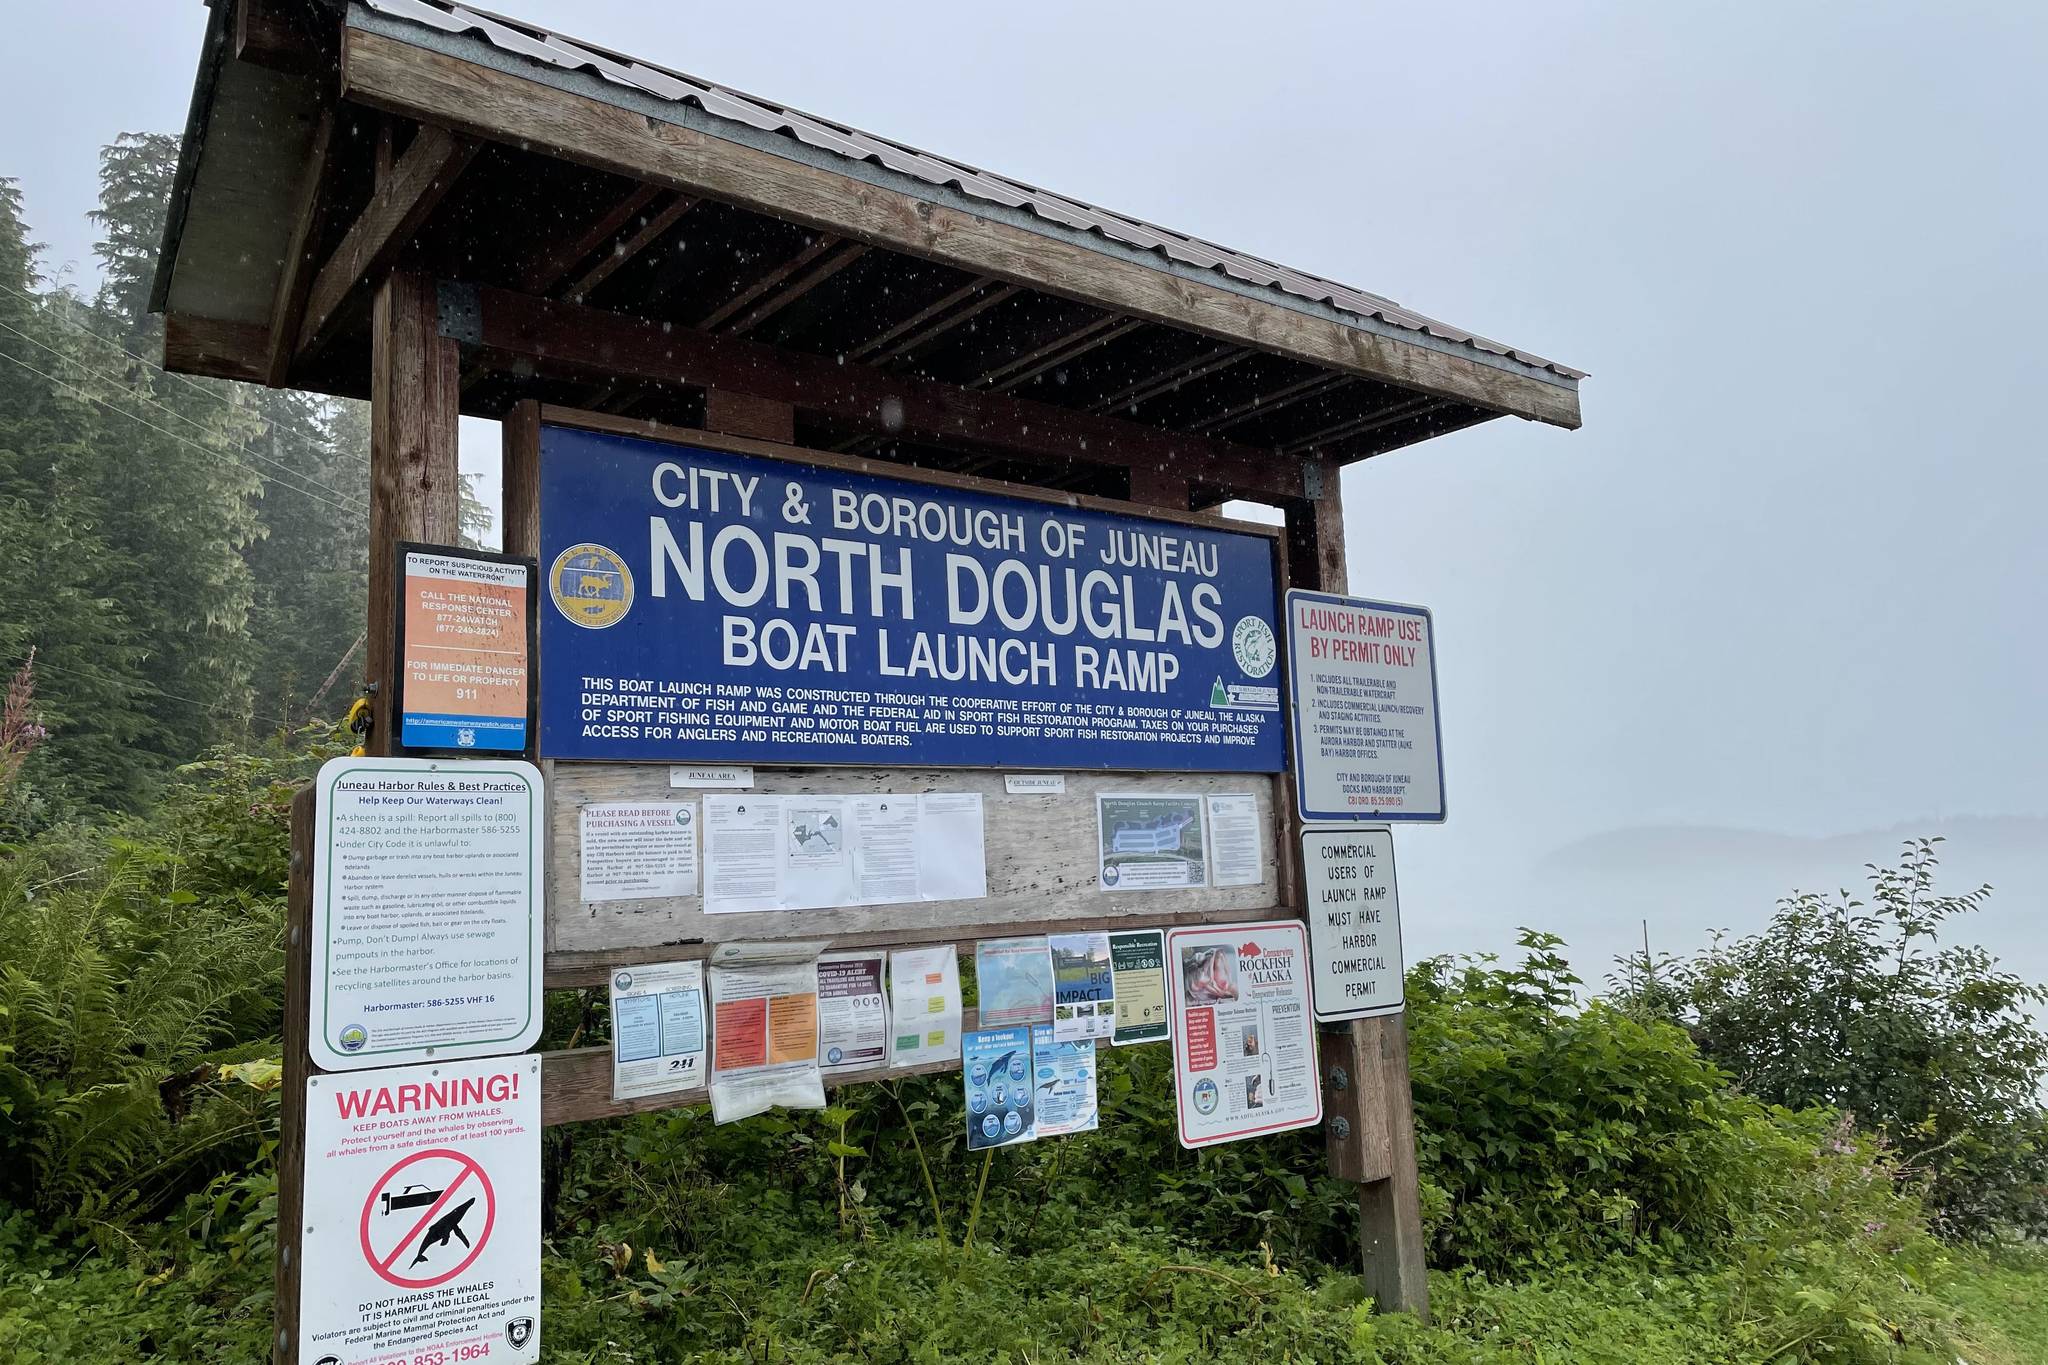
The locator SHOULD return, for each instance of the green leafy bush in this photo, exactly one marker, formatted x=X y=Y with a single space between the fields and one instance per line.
x=1556 y=1132
x=1858 y=1006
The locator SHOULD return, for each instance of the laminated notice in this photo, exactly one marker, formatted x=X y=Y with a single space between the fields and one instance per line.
x=1084 y=989
x=1149 y=843
x=1137 y=961
x=1063 y=1081
x=1244 y=1048
x=657 y=1029
x=853 y=1011
x=924 y=1005
x=764 y=1029
x=1013 y=981
x=995 y=1072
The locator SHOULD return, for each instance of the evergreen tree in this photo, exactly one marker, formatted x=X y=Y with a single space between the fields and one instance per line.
x=180 y=489
x=189 y=558
x=52 y=553
x=311 y=564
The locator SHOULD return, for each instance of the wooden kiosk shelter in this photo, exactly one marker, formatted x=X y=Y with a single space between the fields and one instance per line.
x=449 y=212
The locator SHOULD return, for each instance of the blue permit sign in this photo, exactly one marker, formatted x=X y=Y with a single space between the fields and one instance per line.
x=705 y=606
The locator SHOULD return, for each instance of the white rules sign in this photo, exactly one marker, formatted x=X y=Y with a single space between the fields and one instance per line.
x=426 y=910
x=1354 y=921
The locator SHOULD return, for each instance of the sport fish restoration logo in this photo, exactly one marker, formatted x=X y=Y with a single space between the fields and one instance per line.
x=591 y=586
x=1265 y=966
x=1253 y=645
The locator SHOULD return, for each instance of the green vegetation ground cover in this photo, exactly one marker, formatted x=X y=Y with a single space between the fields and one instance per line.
x=1595 y=1188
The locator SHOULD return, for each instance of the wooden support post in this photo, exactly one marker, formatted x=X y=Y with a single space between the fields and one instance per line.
x=291 y=1140
x=1370 y=1110
x=1390 y=1210
x=519 y=485
x=415 y=482
x=520 y=479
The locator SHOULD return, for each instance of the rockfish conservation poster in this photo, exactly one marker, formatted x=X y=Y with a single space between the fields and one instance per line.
x=733 y=608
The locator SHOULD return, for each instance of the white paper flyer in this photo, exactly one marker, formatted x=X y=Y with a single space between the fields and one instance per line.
x=809 y=852
x=657 y=1029
x=924 y=1005
x=638 y=850
x=764 y=1028
x=1234 y=852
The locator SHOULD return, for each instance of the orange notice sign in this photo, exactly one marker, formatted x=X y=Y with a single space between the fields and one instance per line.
x=739 y=1029
x=463 y=665
x=793 y=1028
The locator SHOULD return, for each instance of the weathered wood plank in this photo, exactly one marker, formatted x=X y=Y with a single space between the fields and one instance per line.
x=415 y=481
x=1156 y=486
x=760 y=287
x=389 y=74
x=295 y=278
x=216 y=348
x=402 y=203
x=648 y=233
x=575 y=970
x=579 y=342
x=291 y=1130
x=560 y=255
x=1040 y=853
x=744 y=414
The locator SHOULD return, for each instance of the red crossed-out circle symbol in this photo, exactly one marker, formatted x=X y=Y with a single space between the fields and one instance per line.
x=422 y=1212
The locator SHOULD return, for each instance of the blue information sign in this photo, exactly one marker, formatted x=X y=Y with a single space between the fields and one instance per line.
x=705 y=606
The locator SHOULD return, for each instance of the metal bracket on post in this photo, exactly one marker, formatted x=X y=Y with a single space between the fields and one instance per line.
x=461 y=314
x=1312 y=478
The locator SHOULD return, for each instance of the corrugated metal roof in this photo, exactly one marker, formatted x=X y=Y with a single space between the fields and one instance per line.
x=525 y=40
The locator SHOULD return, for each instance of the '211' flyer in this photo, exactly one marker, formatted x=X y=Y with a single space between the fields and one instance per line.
x=1244 y=1045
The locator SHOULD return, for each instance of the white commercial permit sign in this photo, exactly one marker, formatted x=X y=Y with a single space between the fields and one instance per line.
x=1354 y=921
x=421 y=1232
x=426 y=910
x=1362 y=683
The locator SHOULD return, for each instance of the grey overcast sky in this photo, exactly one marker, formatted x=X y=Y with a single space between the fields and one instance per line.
x=1779 y=603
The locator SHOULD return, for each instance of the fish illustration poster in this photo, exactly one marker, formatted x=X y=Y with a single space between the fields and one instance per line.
x=1244 y=1046
x=995 y=1068
x=1063 y=1084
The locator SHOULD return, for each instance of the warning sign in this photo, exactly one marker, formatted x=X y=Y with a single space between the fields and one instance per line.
x=387 y=1244
x=422 y=1223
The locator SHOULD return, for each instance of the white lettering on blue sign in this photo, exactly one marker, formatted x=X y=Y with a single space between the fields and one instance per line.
x=714 y=607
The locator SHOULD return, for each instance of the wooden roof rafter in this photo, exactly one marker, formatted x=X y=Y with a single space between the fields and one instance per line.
x=671 y=215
